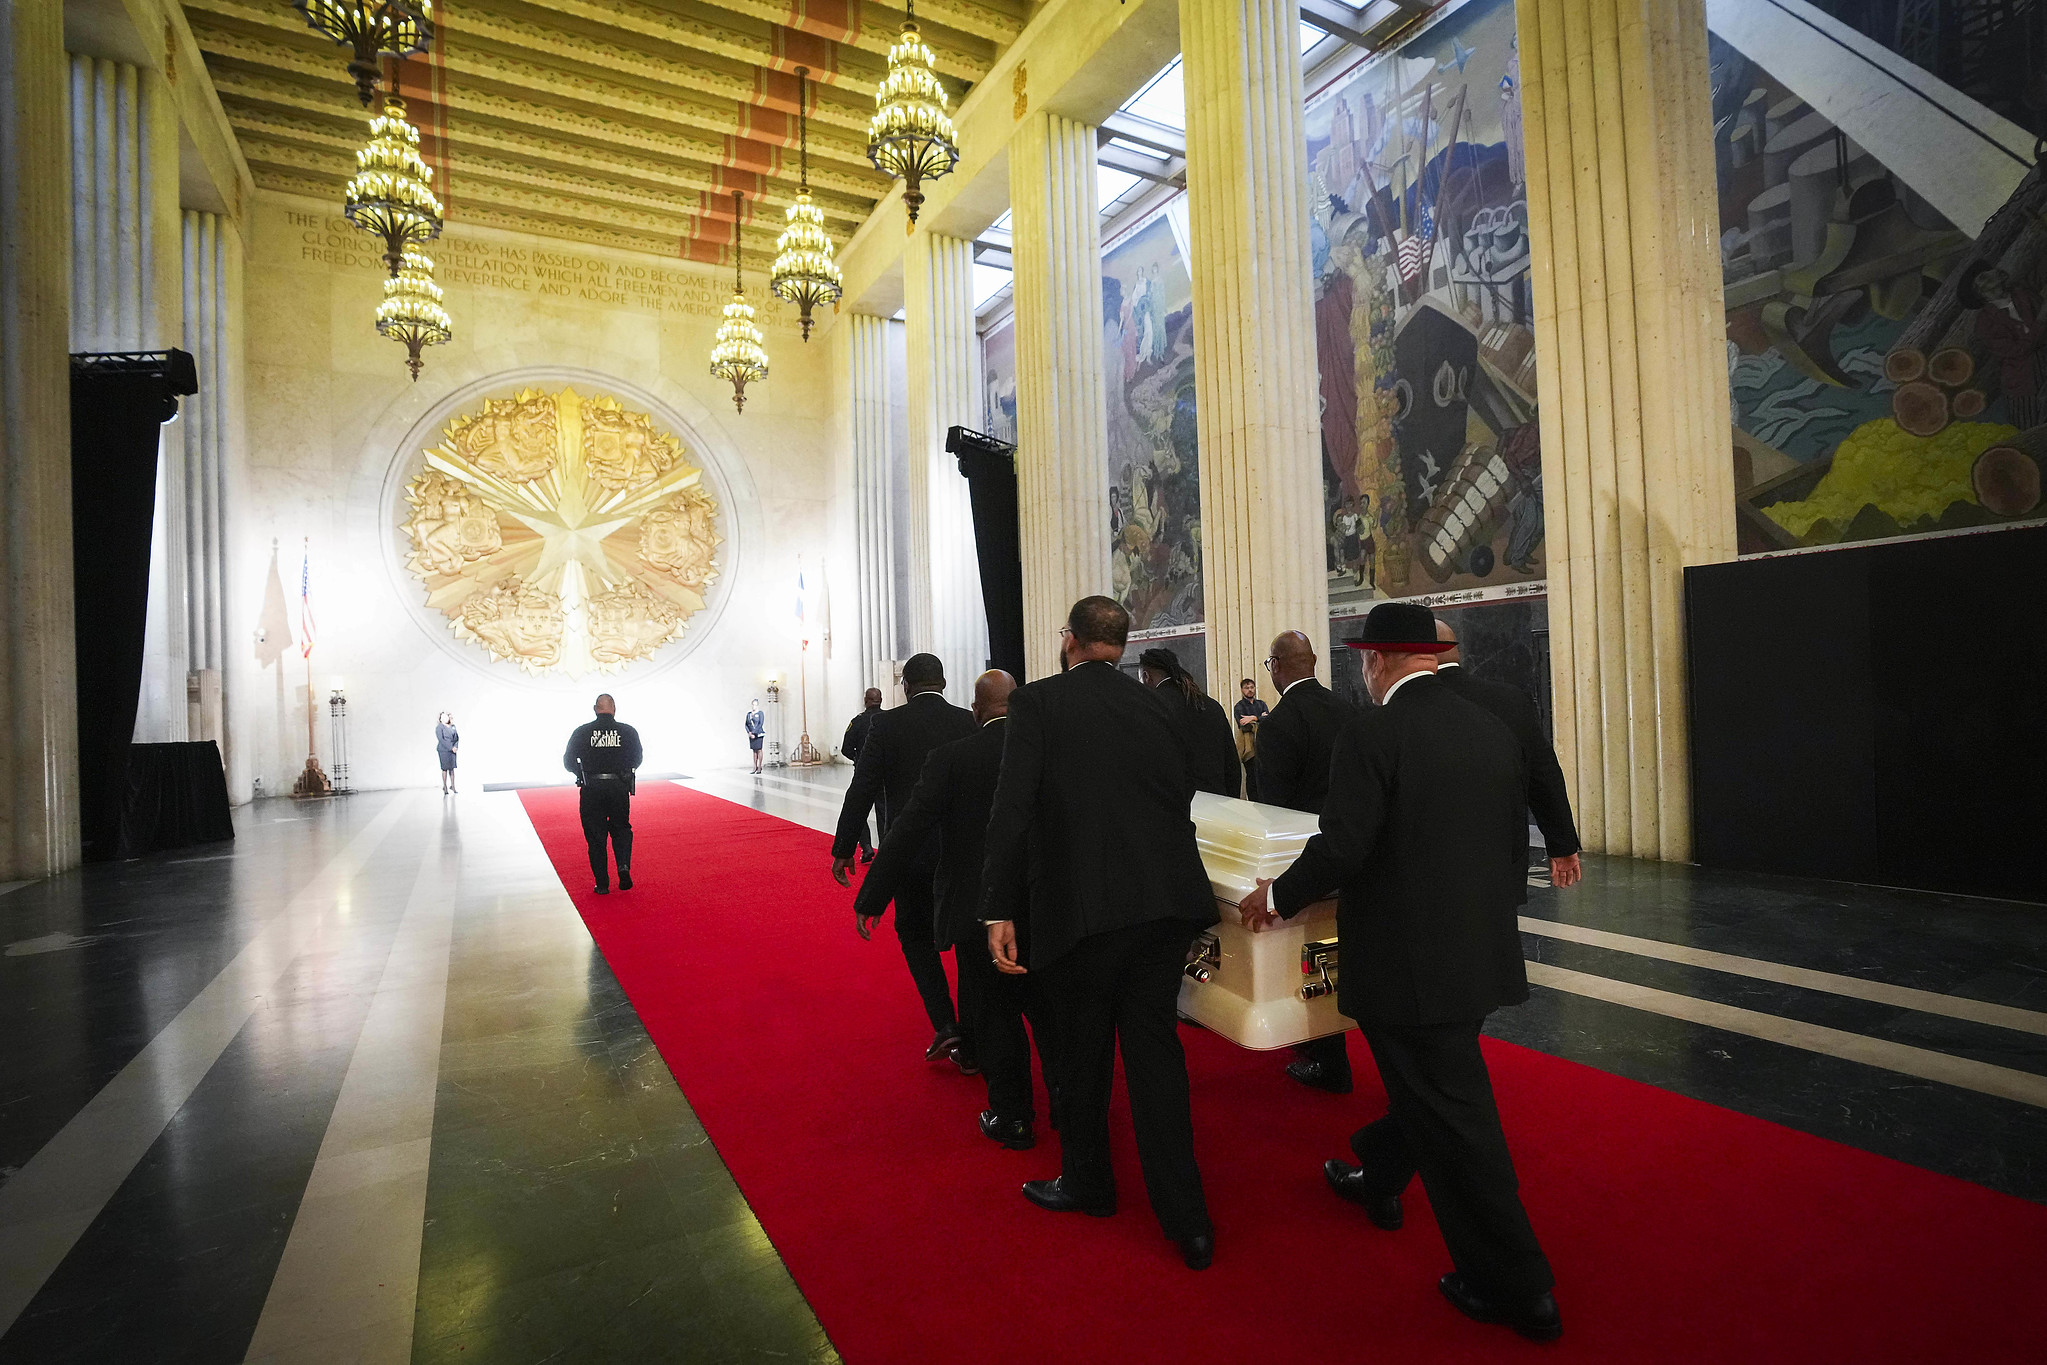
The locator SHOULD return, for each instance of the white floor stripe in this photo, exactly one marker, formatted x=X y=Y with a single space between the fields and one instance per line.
x=50 y=1202
x=349 y=1277
x=1880 y=992
x=2023 y=1086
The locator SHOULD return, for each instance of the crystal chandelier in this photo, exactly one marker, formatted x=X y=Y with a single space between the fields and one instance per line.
x=738 y=356
x=910 y=136
x=804 y=273
x=369 y=28
x=411 y=311
x=391 y=193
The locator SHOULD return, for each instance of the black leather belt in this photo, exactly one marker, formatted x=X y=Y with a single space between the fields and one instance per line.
x=608 y=777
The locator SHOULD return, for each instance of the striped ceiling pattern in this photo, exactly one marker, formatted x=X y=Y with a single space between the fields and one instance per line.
x=623 y=123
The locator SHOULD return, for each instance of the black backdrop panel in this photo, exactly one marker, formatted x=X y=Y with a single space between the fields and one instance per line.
x=1876 y=713
x=116 y=419
x=998 y=546
x=177 y=795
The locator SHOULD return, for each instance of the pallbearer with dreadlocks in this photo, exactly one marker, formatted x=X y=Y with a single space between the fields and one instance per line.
x=1211 y=746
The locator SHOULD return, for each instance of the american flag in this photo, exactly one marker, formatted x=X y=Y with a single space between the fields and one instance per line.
x=306 y=604
x=1414 y=252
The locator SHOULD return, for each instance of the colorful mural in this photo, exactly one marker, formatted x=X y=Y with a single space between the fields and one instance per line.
x=998 y=381
x=1432 y=471
x=1887 y=367
x=1154 y=469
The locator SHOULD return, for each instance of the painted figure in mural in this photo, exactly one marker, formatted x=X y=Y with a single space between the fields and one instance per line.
x=756 y=731
x=2011 y=324
x=447 y=740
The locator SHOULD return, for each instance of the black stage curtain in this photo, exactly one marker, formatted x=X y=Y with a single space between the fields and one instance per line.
x=991 y=484
x=176 y=795
x=116 y=418
x=1876 y=713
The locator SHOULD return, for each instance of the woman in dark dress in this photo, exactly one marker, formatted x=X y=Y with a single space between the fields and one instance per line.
x=446 y=741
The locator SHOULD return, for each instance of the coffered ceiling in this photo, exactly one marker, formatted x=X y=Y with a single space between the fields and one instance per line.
x=623 y=123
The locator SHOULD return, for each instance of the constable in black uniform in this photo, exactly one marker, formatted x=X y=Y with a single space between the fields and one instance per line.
x=603 y=755
x=850 y=746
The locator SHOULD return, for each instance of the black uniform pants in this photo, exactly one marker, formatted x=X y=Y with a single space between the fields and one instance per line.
x=916 y=916
x=1442 y=1121
x=607 y=808
x=1333 y=1052
x=993 y=1008
x=1123 y=986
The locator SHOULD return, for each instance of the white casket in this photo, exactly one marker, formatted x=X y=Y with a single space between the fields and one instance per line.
x=1276 y=987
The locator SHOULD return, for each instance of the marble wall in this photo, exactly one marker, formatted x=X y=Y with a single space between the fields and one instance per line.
x=334 y=431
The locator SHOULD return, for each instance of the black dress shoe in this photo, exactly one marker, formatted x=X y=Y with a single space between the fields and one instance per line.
x=603 y=890
x=1349 y=1183
x=1198 y=1251
x=968 y=1064
x=1536 y=1318
x=625 y=880
x=943 y=1044
x=1051 y=1194
x=1320 y=1077
x=1014 y=1134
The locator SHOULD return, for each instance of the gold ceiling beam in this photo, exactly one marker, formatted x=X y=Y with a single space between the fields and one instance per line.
x=469 y=138
x=710 y=114
x=961 y=56
x=558 y=134
x=607 y=199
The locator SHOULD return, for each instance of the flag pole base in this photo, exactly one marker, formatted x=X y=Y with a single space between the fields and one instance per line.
x=807 y=755
x=312 y=782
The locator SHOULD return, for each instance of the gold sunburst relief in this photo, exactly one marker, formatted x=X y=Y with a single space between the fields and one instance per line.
x=562 y=532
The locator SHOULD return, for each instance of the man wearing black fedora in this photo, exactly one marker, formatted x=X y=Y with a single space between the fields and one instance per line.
x=1424 y=837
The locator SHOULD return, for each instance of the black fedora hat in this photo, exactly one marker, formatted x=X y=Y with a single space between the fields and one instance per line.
x=1401 y=628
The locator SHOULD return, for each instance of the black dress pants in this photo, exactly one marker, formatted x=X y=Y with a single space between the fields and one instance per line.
x=1333 y=1052
x=916 y=915
x=993 y=1007
x=1123 y=986
x=1442 y=1121
x=607 y=810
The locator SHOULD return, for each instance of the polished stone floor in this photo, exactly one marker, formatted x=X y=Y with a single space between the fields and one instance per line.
x=360 y=1088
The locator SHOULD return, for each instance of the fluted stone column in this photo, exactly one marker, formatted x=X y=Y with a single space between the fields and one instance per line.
x=38 y=668
x=945 y=390
x=1628 y=332
x=873 y=512
x=1256 y=409
x=1061 y=408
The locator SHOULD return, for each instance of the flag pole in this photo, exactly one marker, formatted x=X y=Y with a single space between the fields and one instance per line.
x=312 y=782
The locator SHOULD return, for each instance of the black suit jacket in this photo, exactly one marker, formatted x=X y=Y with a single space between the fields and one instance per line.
x=952 y=799
x=1425 y=839
x=892 y=758
x=1295 y=744
x=1091 y=830
x=1548 y=799
x=1211 y=741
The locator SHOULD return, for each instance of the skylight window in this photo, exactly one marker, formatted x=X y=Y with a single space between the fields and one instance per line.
x=1112 y=183
x=1310 y=35
x=989 y=280
x=1163 y=100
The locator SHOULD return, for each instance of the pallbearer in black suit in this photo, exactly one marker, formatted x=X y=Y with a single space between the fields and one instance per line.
x=1425 y=838
x=1211 y=746
x=1548 y=799
x=602 y=755
x=891 y=758
x=1091 y=816
x=952 y=800
x=1295 y=745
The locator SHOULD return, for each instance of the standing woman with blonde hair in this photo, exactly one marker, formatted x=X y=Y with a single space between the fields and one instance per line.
x=446 y=741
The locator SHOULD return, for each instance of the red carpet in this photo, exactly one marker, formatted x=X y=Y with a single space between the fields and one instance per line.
x=1679 y=1231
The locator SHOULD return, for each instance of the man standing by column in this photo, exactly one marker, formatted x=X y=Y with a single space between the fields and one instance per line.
x=1297 y=741
x=1250 y=710
x=1091 y=815
x=856 y=735
x=891 y=759
x=602 y=755
x=1425 y=838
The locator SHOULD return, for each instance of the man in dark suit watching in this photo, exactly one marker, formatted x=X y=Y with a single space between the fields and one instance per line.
x=856 y=736
x=1548 y=799
x=890 y=761
x=953 y=799
x=1091 y=817
x=1295 y=744
x=1425 y=838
